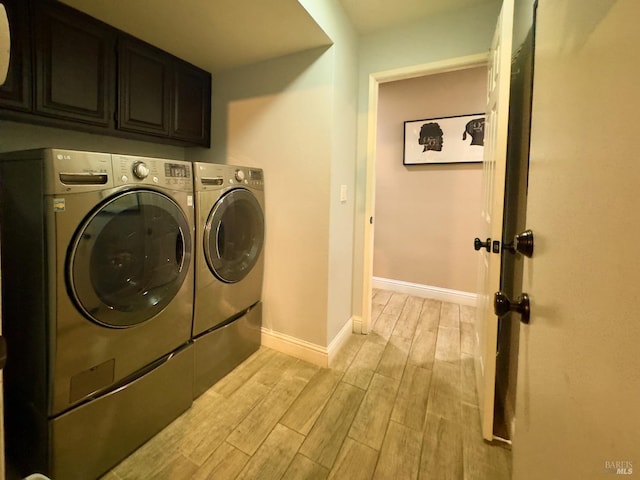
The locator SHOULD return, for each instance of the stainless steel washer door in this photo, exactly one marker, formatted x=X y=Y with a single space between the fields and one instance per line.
x=129 y=258
x=234 y=235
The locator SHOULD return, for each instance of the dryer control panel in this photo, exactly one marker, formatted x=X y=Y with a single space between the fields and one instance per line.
x=215 y=176
x=249 y=177
x=256 y=177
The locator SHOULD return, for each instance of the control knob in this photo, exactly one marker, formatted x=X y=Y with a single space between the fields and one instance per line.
x=140 y=170
x=240 y=175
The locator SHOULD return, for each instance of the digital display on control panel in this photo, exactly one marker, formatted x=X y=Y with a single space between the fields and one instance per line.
x=175 y=170
x=255 y=175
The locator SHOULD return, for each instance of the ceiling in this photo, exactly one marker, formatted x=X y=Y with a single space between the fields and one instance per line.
x=369 y=16
x=218 y=35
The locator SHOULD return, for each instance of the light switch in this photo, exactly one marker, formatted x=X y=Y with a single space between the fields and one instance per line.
x=343 y=193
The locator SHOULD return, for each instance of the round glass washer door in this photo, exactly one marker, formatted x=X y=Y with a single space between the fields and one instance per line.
x=129 y=258
x=234 y=235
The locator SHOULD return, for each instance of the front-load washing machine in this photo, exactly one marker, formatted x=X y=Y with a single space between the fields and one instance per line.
x=229 y=268
x=97 y=305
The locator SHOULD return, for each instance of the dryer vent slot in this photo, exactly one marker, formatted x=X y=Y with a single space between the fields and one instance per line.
x=216 y=181
x=84 y=178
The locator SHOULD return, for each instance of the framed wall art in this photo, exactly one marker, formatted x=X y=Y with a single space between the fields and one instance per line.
x=458 y=139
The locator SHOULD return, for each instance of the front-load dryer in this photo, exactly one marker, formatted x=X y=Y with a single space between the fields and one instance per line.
x=229 y=264
x=97 y=305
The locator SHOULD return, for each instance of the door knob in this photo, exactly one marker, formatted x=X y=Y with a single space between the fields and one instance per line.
x=478 y=244
x=522 y=243
x=502 y=305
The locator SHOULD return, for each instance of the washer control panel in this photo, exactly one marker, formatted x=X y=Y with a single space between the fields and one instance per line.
x=79 y=171
x=174 y=174
x=140 y=170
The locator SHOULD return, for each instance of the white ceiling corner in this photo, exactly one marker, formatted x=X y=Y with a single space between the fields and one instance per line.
x=369 y=16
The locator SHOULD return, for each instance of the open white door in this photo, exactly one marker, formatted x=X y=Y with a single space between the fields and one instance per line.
x=577 y=404
x=494 y=166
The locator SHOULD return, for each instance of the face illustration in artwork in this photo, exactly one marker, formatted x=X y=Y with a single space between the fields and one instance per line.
x=431 y=137
x=475 y=128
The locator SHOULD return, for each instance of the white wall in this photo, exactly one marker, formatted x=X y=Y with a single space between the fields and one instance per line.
x=295 y=117
x=451 y=35
x=24 y=136
x=331 y=18
x=427 y=215
x=275 y=115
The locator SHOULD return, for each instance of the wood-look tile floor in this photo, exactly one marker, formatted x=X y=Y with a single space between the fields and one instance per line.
x=399 y=403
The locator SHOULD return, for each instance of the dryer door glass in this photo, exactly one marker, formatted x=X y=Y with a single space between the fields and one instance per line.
x=234 y=235
x=129 y=258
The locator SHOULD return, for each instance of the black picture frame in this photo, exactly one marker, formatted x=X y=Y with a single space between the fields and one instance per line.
x=455 y=139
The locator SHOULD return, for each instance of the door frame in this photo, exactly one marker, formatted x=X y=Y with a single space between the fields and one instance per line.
x=375 y=79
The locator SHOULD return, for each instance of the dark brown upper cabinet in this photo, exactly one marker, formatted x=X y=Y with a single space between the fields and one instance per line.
x=191 y=106
x=74 y=57
x=72 y=71
x=16 y=93
x=159 y=94
x=144 y=83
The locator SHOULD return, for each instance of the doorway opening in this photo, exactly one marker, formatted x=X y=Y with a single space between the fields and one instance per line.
x=381 y=268
x=427 y=206
x=375 y=81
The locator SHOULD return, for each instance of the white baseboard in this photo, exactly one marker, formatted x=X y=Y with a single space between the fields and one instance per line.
x=338 y=341
x=307 y=351
x=425 y=291
x=357 y=324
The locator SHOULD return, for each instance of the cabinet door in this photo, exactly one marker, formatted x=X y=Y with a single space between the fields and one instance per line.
x=144 y=81
x=191 y=104
x=15 y=94
x=74 y=56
